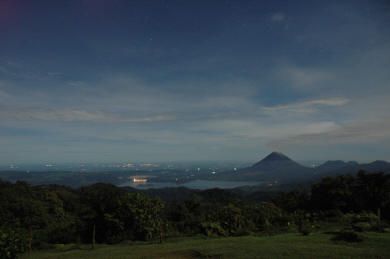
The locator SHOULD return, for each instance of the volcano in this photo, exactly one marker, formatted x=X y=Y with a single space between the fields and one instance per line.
x=275 y=167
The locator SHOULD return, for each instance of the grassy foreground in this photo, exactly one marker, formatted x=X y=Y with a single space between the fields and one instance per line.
x=316 y=245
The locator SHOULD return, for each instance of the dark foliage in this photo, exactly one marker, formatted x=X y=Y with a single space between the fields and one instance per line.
x=348 y=236
x=12 y=243
x=103 y=213
x=363 y=192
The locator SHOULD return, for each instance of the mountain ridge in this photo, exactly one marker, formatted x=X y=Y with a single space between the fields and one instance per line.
x=278 y=167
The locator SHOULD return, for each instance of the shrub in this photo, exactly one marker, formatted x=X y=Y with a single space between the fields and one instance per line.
x=348 y=236
x=211 y=229
x=11 y=244
x=304 y=225
x=362 y=226
x=361 y=222
x=304 y=229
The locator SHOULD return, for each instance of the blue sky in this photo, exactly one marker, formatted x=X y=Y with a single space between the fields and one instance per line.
x=105 y=81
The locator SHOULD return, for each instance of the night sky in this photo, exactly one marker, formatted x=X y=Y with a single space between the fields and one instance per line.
x=110 y=81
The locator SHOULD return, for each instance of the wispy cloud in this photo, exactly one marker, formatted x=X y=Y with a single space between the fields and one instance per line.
x=304 y=77
x=350 y=133
x=308 y=105
x=19 y=70
x=76 y=115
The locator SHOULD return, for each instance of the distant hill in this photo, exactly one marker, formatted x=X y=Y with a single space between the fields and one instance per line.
x=377 y=165
x=338 y=167
x=333 y=165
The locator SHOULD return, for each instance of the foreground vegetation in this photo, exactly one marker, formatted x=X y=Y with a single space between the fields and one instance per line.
x=292 y=245
x=45 y=217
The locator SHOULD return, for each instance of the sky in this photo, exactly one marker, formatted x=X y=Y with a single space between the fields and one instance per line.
x=111 y=81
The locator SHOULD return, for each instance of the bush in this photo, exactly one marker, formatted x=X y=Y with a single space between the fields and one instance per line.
x=304 y=229
x=348 y=236
x=362 y=226
x=361 y=222
x=11 y=244
x=381 y=227
x=212 y=229
x=62 y=233
x=304 y=225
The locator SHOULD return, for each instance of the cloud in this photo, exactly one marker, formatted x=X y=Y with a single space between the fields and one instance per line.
x=307 y=106
x=278 y=17
x=76 y=115
x=126 y=98
x=303 y=77
x=361 y=132
x=23 y=71
x=3 y=94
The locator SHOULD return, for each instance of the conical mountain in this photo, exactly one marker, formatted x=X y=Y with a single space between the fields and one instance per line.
x=276 y=167
x=273 y=159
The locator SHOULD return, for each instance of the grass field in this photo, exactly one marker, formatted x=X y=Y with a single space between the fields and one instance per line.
x=316 y=245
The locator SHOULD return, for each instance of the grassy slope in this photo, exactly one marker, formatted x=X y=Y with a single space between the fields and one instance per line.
x=278 y=246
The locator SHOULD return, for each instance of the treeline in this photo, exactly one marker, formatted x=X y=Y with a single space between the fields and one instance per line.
x=369 y=192
x=33 y=217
